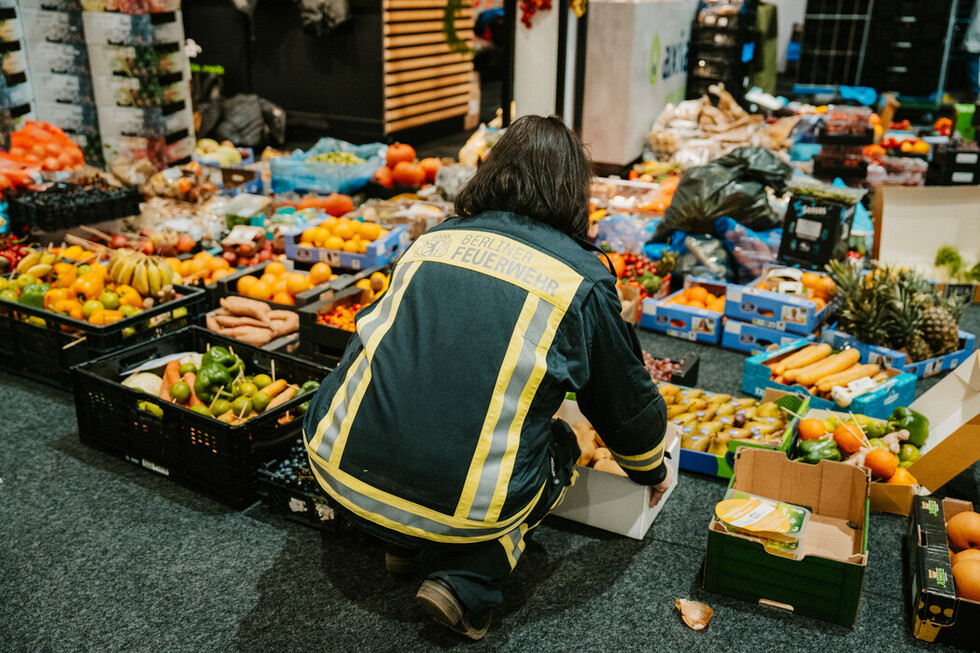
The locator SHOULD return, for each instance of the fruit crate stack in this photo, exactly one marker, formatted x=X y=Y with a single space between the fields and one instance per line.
x=845 y=131
x=141 y=81
x=59 y=67
x=722 y=46
x=16 y=92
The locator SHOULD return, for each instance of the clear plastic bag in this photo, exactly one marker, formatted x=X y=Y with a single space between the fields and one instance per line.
x=295 y=173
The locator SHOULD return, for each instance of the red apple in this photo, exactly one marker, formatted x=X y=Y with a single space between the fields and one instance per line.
x=118 y=241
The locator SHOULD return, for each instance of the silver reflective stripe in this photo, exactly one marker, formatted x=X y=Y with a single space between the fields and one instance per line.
x=516 y=536
x=512 y=395
x=333 y=429
x=641 y=464
x=402 y=517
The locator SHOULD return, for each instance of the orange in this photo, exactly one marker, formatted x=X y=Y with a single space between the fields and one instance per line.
x=329 y=223
x=369 y=231
x=362 y=246
x=219 y=274
x=709 y=299
x=218 y=263
x=334 y=242
x=297 y=283
x=344 y=230
x=810 y=280
x=696 y=294
x=279 y=286
x=848 y=437
x=351 y=246
x=828 y=287
x=260 y=290
x=819 y=302
x=194 y=266
x=881 y=462
x=309 y=235
x=276 y=268
x=320 y=235
x=319 y=273
x=695 y=304
x=202 y=256
x=174 y=263
x=718 y=306
x=902 y=477
x=284 y=298
x=268 y=278
x=812 y=429
x=245 y=284
x=306 y=243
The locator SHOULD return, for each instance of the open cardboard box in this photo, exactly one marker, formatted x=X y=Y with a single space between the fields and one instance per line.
x=953 y=409
x=826 y=583
x=610 y=502
x=912 y=223
x=937 y=614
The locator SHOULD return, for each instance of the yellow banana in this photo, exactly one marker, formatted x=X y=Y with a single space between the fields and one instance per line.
x=28 y=262
x=153 y=279
x=140 y=281
x=40 y=270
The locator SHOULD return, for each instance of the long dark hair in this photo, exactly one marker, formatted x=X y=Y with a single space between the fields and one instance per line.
x=538 y=169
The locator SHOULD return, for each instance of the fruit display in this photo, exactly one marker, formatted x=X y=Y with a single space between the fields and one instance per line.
x=99 y=294
x=61 y=205
x=908 y=146
x=963 y=533
x=340 y=158
x=827 y=374
x=215 y=384
x=246 y=246
x=639 y=271
x=698 y=297
x=886 y=448
x=342 y=234
x=203 y=269
x=895 y=308
x=187 y=182
x=342 y=313
x=12 y=250
x=595 y=454
x=251 y=321
x=279 y=285
x=808 y=285
x=335 y=204
x=403 y=169
x=44 y=146
x=225 y=154
x=710 y=421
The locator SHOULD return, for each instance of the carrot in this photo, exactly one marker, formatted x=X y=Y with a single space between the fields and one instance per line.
x=826 y=367
x=843 y=378
x=275 y=387
x=282 y=397
x=806 y=356
x=189 y=379
x=171 y=375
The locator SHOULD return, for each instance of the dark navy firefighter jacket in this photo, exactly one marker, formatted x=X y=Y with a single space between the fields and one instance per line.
x=438 y=422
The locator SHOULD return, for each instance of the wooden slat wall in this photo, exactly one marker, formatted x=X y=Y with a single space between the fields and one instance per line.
x=424 y=81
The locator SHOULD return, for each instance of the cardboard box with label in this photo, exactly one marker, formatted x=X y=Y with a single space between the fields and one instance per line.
x=826 y=581
x=610 y=502
x=785 y=310
x=753 y=339
x=937 y=615
x=685 y=322
x=899 y=360
x=815 y=231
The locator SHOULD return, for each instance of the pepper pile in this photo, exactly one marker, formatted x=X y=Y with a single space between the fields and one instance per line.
x=12 y=251
x=340 y=317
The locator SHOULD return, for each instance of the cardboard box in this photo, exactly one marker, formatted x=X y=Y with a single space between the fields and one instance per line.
x=751 y=338
x=610 y=502
x=953 y=409
x=141 y=92
x=679 y=321
x=630 y=300
x=911 y=224
x=826 y=584
x=776 y=310
x=898 y=390
x=126 y=29
x=152 y=122
x=937 y=615
x=898 y=360
x=815 y=231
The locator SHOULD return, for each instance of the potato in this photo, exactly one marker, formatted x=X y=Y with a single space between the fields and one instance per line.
x=609 y=465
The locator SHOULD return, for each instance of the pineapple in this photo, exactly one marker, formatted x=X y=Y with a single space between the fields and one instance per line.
x=939 y=330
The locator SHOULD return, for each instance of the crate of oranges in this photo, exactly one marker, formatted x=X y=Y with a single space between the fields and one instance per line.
x=786 y=299
x=326 y=326
x=694 y=313
x=203 y=270
x=345 y=243
x=274 y=283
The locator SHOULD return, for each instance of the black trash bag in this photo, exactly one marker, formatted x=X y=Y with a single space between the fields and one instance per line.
x=320 y=17
x=733 y=186
x=250 y=121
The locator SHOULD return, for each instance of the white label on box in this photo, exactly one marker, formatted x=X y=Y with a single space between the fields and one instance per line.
x=793 y=315
x=734 y=294
x=683 y=335
x=934 y=366
x=295 y=505
x=791 y=288
x=962 y=178
x=155 y=468
x=731 y=326
x=862 y=384
x=808 y=229
x=966 y=158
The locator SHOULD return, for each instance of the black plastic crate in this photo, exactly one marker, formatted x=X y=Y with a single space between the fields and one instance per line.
x=62 y=206
x=227 y=286
x=197 y=451
x=823 y=170
x=845 y=138
x=912 y=8
x=44 y=346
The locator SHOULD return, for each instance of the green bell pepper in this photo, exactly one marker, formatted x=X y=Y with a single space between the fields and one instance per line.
x=820 y=449
x=211 y=379
x=33 y=294
x=915 y=423
x=224 y=358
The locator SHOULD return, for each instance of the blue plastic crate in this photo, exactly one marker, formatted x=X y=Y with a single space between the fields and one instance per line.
x=752 y=338
x=295 y=174
x=775 y=310
x=685 y=322
x=900 y=361
x=379 y=252
x=899 y=390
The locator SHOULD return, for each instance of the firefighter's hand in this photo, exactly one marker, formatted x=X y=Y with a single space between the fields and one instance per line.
x=660 y=488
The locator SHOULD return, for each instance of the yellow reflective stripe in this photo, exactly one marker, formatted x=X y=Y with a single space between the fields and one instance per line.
x=517 y=425
x=384 y=316
x=640 y=457
x=520 y=542
x=339 y=398
x=643 y=468
x=502 y=258
x=496 y=406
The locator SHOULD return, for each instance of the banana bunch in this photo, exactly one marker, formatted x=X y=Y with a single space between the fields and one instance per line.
x=151 y=276
x=710 y=421
x=37 y=264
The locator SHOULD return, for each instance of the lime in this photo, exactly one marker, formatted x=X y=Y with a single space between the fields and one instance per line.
x=247 y=388
x=25 y=280
x=109 y=299
x=188 y=368
x=129 y=310
x=181 y=392
x=241 y=406
x=309 y=386
x=909 y=453
x=179 y=312
x=128 y=332
x=90 y=307
x=84 y=268
x=260 y=401
x=261 y=380
x=905 y=463
x=220 y=407
x=877 y=443
x=9 y=295
x=151 y=409
x=303 y=407
x=201 y=408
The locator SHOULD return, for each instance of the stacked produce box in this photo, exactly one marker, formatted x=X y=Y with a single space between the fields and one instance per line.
x=141 y=82
x=16 y=93
x=846 y=130
x=722 y=46
x=59 y=68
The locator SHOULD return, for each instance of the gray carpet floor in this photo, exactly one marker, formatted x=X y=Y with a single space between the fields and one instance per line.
x=99 y=555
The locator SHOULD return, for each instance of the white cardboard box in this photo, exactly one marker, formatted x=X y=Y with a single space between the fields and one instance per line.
x=610 y=502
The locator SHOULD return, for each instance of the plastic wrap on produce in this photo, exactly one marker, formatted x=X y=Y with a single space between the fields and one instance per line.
x=625 y=233
x=750 y=250
x=298 y=172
